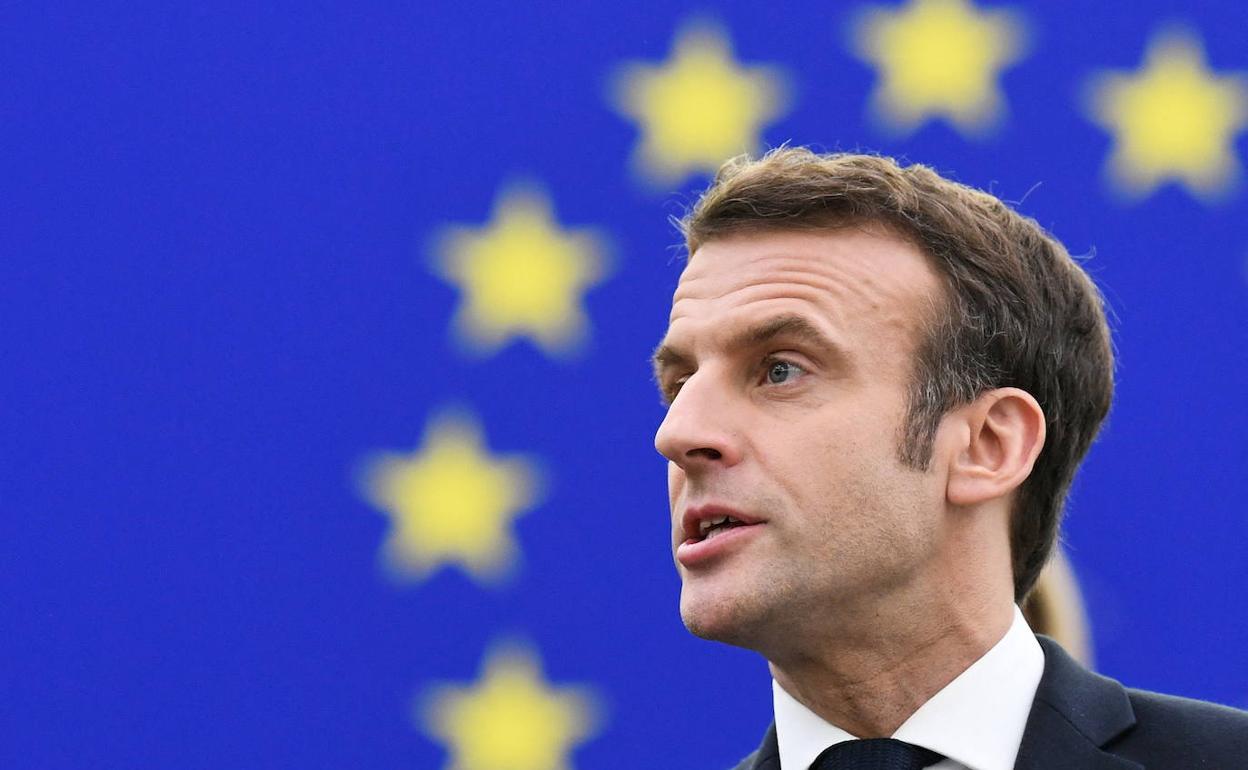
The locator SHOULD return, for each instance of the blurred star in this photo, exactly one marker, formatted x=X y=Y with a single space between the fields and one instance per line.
x=521 y=275
x=1173 y=120
x=939 y=59
x=510 y=719
x=698 y=108
x=450 y=502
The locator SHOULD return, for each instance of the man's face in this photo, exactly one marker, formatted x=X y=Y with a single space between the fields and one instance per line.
x=787 y=360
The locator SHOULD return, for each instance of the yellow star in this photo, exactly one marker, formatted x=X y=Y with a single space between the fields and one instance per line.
x=1172 y=120
x=939 y=58
x=450 y=502
x=510 y=720
x=521 y=275
x=698 y=108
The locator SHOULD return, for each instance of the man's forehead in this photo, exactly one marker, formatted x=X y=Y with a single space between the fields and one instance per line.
x=853 y=265
x=751 y=255
x=843 y=282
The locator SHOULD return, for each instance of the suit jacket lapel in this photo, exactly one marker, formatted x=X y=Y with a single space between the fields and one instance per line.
x=1075 y=713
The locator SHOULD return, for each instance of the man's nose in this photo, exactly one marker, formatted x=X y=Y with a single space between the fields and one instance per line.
x=697 y=430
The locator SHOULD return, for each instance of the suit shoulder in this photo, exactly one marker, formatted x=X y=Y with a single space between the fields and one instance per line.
x=766 y=756
x=748 y=762
x=1156 y=707
x=1206 y=732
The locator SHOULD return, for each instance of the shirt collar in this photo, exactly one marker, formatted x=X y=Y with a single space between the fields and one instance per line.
x=976 y=720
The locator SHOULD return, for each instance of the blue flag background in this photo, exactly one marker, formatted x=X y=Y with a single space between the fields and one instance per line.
x=328 y=421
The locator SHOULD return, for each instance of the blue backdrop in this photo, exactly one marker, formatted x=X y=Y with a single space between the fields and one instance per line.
x=327 y=415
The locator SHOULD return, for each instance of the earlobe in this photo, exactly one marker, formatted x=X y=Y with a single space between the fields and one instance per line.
x=1006 y=434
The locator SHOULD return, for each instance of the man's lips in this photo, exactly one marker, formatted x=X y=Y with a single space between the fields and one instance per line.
x=698 y=547
x=691 y=521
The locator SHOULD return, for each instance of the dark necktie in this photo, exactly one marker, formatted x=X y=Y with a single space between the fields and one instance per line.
x=875 y=754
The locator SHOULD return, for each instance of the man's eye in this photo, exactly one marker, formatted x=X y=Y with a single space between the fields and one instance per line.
x=671 y=389
x=780 y=372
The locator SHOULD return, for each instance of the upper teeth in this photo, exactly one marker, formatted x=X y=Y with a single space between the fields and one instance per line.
x=706 y=524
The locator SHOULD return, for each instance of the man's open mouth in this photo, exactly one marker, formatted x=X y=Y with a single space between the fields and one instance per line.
x=709 y=528
x=706 y=523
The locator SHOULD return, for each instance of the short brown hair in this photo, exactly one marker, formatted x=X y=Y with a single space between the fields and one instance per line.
x=1018 y=311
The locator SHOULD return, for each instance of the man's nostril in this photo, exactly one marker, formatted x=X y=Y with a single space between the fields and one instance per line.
x=707 y=452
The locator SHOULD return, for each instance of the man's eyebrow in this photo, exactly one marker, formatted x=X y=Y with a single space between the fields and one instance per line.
x=794 y=326
x=667 y=357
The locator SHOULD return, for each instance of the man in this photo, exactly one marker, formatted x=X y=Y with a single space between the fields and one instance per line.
x=880 y=384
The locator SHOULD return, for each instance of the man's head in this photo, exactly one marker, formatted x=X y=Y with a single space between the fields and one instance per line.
x=921 y=296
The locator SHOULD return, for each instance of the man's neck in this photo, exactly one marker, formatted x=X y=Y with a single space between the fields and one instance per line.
x=869 y=684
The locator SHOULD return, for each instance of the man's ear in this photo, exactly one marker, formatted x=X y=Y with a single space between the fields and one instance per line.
x=1006 y=434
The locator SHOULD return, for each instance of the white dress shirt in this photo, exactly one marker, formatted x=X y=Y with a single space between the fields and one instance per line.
x=976 y=721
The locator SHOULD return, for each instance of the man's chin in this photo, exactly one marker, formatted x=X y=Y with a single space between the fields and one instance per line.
x=717 y=618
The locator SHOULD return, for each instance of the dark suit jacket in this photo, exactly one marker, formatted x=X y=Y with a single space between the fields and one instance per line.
x=1084 y=721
